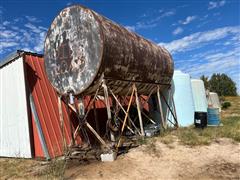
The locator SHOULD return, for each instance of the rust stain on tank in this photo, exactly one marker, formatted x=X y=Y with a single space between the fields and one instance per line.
x=81 y=45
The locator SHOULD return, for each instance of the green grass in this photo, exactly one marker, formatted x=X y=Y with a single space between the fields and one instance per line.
x=230 y=119
x=230 y=128
x=195 y=136
x=192 y=137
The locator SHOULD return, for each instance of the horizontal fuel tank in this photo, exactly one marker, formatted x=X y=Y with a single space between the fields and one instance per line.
x=82 y=46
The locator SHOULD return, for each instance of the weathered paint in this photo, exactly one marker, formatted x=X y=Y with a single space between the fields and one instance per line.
x=81 y=45
x=14 y=123
x=45 y=100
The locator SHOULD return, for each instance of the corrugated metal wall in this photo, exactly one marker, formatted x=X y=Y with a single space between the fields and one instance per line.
x=46 y=102
x=18 y=126
x=14 y=124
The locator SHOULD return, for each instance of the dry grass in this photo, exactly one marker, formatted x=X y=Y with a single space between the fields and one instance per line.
x=12 y=168
x=31 y=169
x=230 y=119
x=54 y=170
x=234 y=109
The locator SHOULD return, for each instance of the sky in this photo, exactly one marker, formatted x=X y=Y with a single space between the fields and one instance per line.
x=202 y=36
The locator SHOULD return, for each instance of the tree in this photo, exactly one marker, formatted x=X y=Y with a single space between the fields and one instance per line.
x=223 y=85
x=205 y=80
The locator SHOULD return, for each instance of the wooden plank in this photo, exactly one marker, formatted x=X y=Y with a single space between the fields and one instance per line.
x=91 y=128
x=160 y=107
x=139 y=112
x=109 y=115
x=125 y=118
x=96 y=134
x=124 y=111
x=89 y=108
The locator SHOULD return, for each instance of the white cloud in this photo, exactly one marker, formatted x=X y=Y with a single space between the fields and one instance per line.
x=5 y=23
x=39 y=46
x=212 y=61
x=7 y=34
x=168 y=13
x=198 y=39
x=21 y=33
x=150 y=23
x=130 y=28
x=162 y=15
x=177 y=31
x=219 y=53
x=69 y=3
x=7 y=44
x=216 y=4
x=33 y=28
x=227 y=62
x=188 y=20
x=32 y=19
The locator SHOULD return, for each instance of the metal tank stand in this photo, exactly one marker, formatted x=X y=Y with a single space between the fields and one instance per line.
x=118 y=114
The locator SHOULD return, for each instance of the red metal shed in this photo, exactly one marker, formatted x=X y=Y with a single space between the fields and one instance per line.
x=46 y=103
x=43 y=113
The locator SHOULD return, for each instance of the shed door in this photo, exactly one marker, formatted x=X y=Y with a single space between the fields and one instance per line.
x=14 y=124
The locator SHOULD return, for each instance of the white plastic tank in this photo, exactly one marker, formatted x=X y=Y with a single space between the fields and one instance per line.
x=213 y=100
x=199 y=95
x=183 y=98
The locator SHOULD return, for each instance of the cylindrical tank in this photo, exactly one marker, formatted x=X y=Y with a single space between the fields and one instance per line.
x=200 y=119
x=200 y=103
x=213 y=116
x=183 y=98
x=213 y=101
x=183 y=101
x=199 y=95
x=81 y=46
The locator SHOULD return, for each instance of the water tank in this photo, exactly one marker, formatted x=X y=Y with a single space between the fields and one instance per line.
x=183 y=98
x=213 y=100
x=199 y=95
x=200 y=103
x=200 y=119
x=213 y=116
x=81 y=46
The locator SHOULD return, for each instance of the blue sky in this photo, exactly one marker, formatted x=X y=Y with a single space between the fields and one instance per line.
x=203 y=36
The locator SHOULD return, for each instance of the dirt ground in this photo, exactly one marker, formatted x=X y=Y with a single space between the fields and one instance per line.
x=161 y=157
x=170 y=159
x=220 y=160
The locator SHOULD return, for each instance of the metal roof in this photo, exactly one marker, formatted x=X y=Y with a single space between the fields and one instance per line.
x=15 y=55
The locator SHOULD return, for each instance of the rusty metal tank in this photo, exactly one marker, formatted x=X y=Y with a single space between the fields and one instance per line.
x=82 y=46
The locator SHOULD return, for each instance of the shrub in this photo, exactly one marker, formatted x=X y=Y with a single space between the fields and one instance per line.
x=226 y=104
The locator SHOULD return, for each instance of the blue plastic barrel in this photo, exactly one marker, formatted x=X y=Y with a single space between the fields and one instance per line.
x=213 y=116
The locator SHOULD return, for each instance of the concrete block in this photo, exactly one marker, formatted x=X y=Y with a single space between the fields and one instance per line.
x=108 y=157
